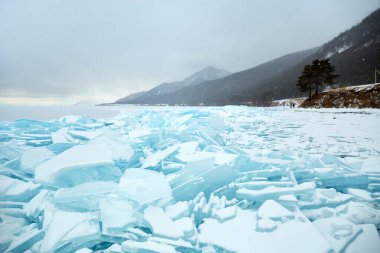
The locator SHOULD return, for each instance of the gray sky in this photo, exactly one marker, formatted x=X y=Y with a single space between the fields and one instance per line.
x=64 y=51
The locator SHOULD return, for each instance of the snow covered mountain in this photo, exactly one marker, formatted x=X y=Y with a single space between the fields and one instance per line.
x=206 y=74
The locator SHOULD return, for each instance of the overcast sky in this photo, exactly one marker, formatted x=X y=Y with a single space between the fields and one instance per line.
x=64 y=51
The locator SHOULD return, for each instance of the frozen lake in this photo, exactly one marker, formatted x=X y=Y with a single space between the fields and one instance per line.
x=332 y=130
x=13 y=112
x=189 y=179
x=43 y=112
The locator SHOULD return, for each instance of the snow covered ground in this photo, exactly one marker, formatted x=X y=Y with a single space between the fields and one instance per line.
x=192 y=179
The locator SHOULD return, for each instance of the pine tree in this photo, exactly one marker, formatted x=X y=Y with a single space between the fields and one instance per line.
x=317 y=75
x=314 y=76
x=328 y=71
x=305 y=81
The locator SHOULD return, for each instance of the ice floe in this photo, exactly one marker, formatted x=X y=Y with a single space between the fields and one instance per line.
x=226 y=179
x=79 y=164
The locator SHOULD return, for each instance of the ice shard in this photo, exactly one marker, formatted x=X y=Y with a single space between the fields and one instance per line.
x=79 y=164
x=144 y=186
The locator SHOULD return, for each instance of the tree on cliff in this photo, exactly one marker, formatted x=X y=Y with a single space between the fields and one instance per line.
x=316 y=75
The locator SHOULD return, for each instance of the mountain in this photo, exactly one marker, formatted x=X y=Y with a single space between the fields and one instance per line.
x=209 y=73
x=130 y=97
x=230 y=89
x=355 y=53
x=206 y=74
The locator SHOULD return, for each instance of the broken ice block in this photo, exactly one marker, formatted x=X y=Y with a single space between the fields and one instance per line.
x=161 y=224
x=84 y=135
x=266 y=225
x=339 y=232
x=144 y=186
x=371 y=164
x=25 y=241
x=357 y=180
x=170 y=167
x=264 y=173
x=5 y=241
x=84 y=197
x=217 y=177
x=61 y=136
x=360 y=194
x=186 y=225
x=367 y=242
x=226 y=213
x=325 y=198
x=200 y=175
x=14 y=189
x=188 y=147
x=177 y=210
x=38 y=143
x=239 y=235
x=153 y=160
x=79 y=164
x=147 y=246
x=116 y=213
x=8 y=154
x=274 y=192
x=120 y=152
x=220 y=158
x=70 y=231
x=179 y=244
x=83 y=250
x=287 y=200
x=336 y=178
x=244 y=157
x=114 y=248
x=324 y=171
x=35 y=207
x=192 y=169
x=318 y=213
x=58 y=148
x=270 y=209
x=258 y=185
x=33 y=157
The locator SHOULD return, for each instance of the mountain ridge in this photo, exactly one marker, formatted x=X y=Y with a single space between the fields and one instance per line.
x=354 y=52
x=205 y=74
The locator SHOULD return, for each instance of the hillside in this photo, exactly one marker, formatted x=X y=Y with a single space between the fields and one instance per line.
x=130 y=98
x=363 y=96
x=230 y=89
x=355 y=53
x=206 y=74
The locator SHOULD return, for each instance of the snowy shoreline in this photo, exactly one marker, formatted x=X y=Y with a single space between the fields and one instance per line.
x=44 y=112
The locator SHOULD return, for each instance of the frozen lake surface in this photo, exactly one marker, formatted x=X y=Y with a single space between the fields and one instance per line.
x=189 y=179
x=14 y=112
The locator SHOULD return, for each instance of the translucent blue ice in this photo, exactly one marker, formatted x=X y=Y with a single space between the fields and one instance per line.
x=179 y=179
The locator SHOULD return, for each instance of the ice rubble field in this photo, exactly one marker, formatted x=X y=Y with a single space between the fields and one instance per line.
x=228 y=179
